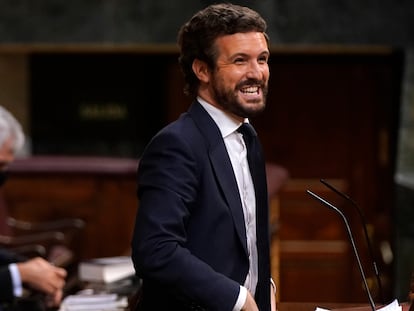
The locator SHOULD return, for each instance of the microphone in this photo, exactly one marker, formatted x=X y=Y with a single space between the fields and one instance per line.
x=351 y=238
x=364 y=225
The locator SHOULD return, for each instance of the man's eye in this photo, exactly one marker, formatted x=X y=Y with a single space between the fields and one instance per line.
x=263 y=60
x=239 y=60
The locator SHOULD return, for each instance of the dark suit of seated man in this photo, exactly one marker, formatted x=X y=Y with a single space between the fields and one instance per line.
x=17 y=272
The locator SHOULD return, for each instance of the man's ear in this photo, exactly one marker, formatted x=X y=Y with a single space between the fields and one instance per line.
x=201 y=70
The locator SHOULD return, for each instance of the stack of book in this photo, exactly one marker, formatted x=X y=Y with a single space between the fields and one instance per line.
x=108 y=283
x=106 y=270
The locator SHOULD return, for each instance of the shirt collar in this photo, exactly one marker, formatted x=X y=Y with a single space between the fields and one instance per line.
x=225 y=123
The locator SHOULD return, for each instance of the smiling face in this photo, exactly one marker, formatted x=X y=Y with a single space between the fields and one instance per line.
x=238 y=83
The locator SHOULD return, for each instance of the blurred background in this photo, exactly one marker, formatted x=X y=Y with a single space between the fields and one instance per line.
x=99 y=78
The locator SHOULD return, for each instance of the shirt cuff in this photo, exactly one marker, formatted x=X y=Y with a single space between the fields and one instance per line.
x=273 y=285
x=16 y=280
x=241 y=300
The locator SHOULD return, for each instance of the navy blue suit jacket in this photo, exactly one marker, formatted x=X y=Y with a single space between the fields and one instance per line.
x=189 y=242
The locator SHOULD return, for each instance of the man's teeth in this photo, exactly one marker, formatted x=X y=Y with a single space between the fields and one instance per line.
x=251 y=89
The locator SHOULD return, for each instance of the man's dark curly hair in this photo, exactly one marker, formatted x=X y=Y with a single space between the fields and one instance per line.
x=196 y=38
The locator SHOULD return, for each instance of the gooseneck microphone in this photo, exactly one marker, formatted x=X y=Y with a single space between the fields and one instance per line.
x=364 y=225
x=351 y=238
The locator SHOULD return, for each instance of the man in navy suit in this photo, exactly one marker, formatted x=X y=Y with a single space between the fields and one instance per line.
x=201 y=239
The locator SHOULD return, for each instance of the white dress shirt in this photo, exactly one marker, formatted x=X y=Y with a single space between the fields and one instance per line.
x=16 y=280
x=236 y=149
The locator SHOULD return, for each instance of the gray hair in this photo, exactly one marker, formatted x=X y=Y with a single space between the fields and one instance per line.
x=10 y=127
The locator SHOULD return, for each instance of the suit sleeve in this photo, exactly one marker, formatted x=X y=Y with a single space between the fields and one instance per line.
x=168 y=179
x=6 y=286
x=6 y=292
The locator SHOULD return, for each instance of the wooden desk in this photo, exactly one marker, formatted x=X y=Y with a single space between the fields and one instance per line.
x=101 y=191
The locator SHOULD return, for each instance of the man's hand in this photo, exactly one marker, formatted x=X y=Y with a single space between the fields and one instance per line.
x=250 y=304
x=44 y=277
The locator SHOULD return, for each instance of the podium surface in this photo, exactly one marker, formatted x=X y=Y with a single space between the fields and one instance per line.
x=311 y=306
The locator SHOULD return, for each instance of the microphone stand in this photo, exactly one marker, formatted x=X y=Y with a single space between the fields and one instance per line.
x=351 y=238
x=364 y=225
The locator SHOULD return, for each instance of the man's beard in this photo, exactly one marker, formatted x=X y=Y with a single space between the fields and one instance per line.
x=228 y=99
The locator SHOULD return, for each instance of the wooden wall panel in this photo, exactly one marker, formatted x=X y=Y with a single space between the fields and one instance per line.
x=332 y=113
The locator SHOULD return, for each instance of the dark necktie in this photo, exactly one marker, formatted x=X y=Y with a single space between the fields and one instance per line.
x=257 y=170
x=252 y=144
x=256 y=162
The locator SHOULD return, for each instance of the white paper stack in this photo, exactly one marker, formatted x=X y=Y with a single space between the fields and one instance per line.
x=94 y=302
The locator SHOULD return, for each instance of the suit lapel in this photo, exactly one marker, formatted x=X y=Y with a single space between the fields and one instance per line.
x=223 y=170
x=222 y=167
x=225 y=176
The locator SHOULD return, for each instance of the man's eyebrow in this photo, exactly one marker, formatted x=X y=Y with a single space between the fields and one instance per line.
x=242 y=54
x=265 y=52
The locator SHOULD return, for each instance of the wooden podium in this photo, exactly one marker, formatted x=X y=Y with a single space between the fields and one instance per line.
x=311 y=306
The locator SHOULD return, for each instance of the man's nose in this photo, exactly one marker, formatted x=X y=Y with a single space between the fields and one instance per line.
x=255 y=70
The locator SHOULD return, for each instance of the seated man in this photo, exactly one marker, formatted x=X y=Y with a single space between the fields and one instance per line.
x=16 y=272
x=35 y=273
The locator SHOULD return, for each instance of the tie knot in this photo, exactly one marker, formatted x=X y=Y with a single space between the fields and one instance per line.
x=247 y=130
